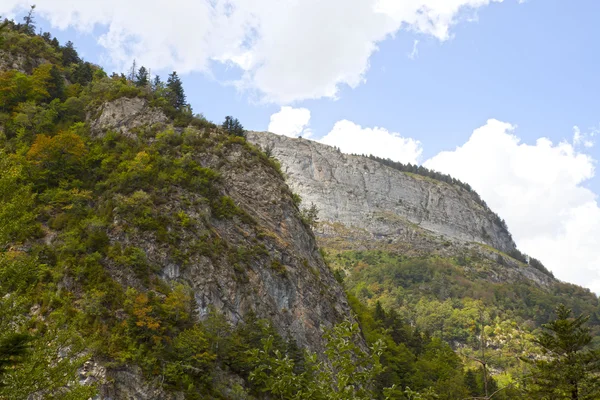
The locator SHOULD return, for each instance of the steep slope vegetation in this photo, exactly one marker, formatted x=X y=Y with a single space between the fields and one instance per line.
x=131 y=232
x=146 y=253
x=426 y=248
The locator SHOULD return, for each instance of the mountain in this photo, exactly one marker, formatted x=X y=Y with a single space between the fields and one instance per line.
x=365 y=204
x=148 y=253
x=126 y=224
x=426 y=246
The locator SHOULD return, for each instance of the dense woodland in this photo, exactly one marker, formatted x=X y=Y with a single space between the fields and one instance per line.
x=60 y=306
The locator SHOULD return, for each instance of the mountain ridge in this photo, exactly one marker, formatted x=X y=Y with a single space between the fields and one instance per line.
x=372 y=187
x=359 y=197
x=148 y=253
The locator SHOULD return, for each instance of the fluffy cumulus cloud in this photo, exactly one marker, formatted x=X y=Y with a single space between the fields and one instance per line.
x=286 y=50
x=538 y=188
x=291 y=121
x=354 y=139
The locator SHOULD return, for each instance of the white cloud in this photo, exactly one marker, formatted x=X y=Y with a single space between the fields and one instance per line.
x=291 y=122
x=415 y=50
x=538 y=190
x=354 y=139
x=583 y=138
x=287 y=50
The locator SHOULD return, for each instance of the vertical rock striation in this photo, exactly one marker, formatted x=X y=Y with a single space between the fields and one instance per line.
x=363 y=194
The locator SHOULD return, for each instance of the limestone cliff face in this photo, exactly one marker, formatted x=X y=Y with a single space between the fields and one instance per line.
x=125 y=115
x=364 y=194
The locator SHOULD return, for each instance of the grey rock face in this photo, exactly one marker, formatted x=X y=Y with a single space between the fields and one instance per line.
x=364 y=194
x=126 y=382
x=266 y=263
x=18 y=62
x=124 y=114
x=288 y=284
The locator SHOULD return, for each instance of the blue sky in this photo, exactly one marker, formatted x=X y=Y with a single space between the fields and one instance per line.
x=533 y=64
x=502 y=69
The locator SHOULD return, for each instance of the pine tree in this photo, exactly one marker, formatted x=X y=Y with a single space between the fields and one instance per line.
x=83 y=74
x=12 y=348
x=233 y=126
x=471 y=383
x=29 y=26
x=379 y=313
x=175 y=95
x=157 y=84
x=141 y=78
x=569 y=369
x=56 y=88
x=69 y=54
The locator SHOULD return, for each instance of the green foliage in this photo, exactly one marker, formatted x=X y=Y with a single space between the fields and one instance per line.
x=79 y=213
x=175 y=93
x=3 y=26
x=69 y=54
x=85 y=287
x=83 y=73
x=442 y=298
x=410 y=358
x=47 y=367
x=29 y=47
x=56 y=158
x=537 y=264
x=233 y=127
x=141 y=77
x=437 y=368
x=17 y=216
x=13 y=347
x=310 y=216
x=134 y=258
x=296 y=199
x=348 y=371
x=194 y=360
x=29 y=26
x=569 y=368
x=417 y=285
x=224 y=207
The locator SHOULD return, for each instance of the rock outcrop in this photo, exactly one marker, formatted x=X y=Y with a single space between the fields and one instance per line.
x=124 y=115
x=362 y=193
x=19 y=62
x=364 y=204
x=266 y=263
x=259 y=259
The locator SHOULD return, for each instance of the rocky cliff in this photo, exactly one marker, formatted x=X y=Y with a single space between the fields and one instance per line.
x=166 y=227
x=364 y=204
x=268 y=263
x=361 y=193
x=146 y=253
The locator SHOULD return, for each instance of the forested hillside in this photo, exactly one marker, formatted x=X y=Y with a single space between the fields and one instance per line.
x=148 y=253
